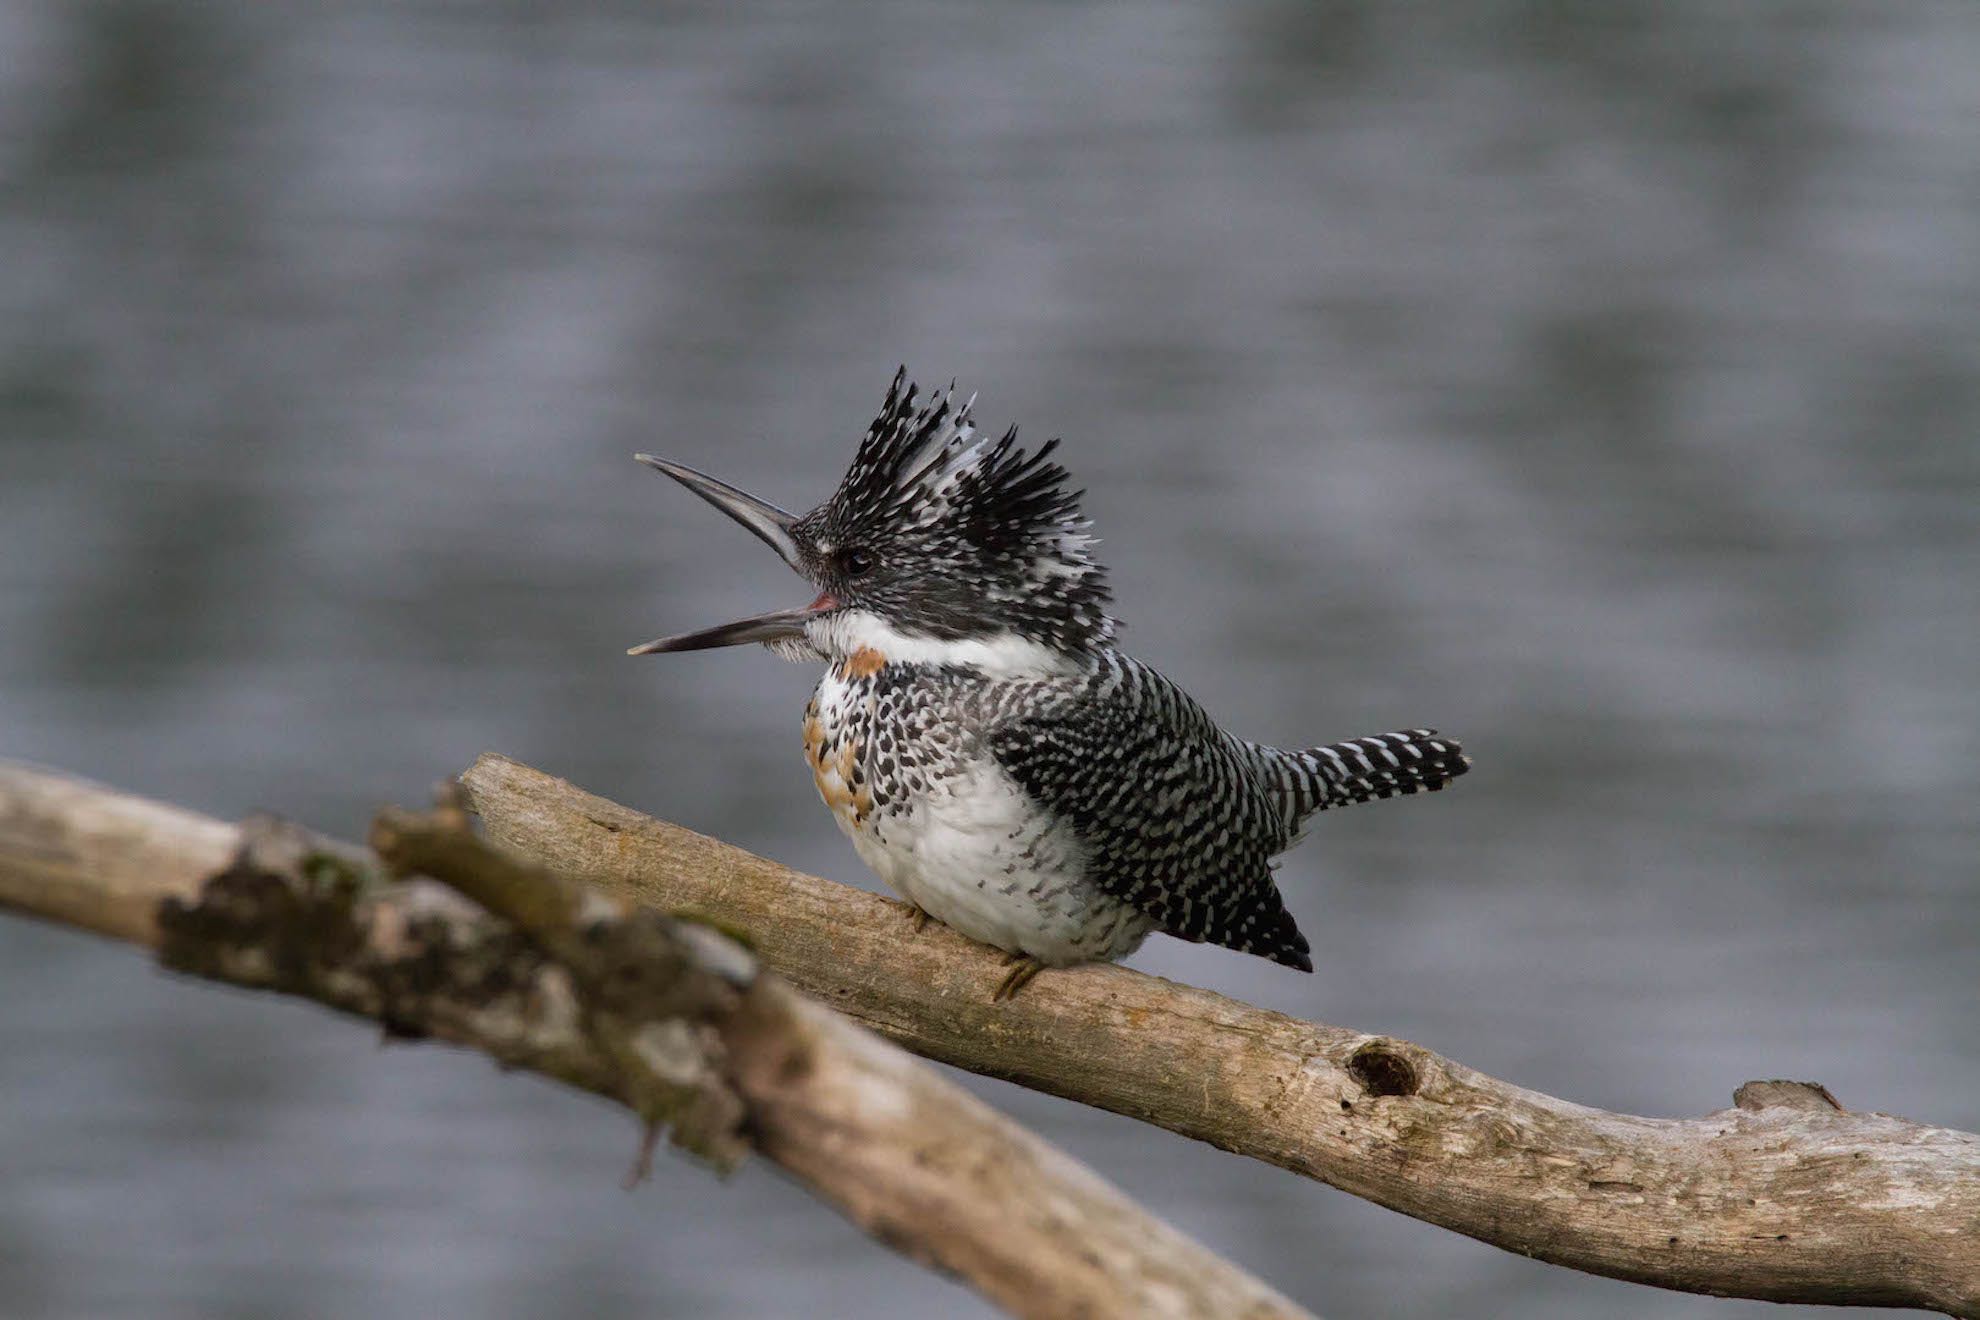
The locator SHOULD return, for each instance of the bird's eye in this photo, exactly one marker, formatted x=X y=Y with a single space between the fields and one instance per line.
x=856 y=562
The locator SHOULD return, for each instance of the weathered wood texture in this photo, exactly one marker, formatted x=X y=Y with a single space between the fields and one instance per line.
x=666 y=1017
x=87 y=856
x=1784 y=1197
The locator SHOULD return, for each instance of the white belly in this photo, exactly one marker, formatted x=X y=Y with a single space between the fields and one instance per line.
x=972 y=850
x=977 y=855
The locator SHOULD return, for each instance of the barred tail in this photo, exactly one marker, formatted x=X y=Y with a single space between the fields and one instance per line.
x=1365 y=769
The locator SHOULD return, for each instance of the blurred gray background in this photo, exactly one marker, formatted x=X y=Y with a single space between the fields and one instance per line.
x=1600 y=383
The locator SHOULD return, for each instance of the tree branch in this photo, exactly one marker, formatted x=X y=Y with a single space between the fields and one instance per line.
x=1785 y=1197
x=669 y=1018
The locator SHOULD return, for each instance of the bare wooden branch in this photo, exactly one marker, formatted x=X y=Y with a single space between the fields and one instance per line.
x=667 y=1017
x=1785 y=1197
x=90 y=857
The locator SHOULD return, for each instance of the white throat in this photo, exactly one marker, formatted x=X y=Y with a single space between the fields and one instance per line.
x=1000 y=655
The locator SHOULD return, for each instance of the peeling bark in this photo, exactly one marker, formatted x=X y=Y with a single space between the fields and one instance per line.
x=670 y=1018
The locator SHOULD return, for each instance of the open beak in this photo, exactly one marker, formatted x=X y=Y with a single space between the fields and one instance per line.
x=774 y=528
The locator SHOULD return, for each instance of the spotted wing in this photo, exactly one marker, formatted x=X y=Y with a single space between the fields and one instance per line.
x=1173 y=815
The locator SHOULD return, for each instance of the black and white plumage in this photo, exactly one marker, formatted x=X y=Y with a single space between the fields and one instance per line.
x=990 y=752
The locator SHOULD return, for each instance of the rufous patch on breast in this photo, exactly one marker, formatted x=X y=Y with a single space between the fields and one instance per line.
x=863 y=663
x=835 y=770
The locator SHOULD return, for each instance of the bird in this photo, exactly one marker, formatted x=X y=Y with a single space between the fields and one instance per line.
x=994 y=756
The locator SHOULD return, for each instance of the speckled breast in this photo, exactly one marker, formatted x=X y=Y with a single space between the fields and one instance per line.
x=896 y=753
x=838 y=721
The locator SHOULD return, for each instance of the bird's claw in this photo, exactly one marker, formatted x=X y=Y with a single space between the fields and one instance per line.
x=1023 y=968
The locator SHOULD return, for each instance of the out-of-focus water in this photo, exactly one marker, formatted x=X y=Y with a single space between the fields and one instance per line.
x=1598 y=383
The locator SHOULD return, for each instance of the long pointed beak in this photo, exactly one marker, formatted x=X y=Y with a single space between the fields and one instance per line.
x=777 y=625
x=774 y=528
x=769 y=522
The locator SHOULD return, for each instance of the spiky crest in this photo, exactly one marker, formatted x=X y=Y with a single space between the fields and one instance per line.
x=978 y=536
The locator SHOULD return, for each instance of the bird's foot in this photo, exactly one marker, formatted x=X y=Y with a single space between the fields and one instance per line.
x=919 y=920
x=1023 y=967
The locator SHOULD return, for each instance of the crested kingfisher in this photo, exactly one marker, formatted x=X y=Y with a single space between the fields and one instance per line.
x=992 y=754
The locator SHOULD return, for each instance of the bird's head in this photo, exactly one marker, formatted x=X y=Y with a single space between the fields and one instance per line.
x=938 y=547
